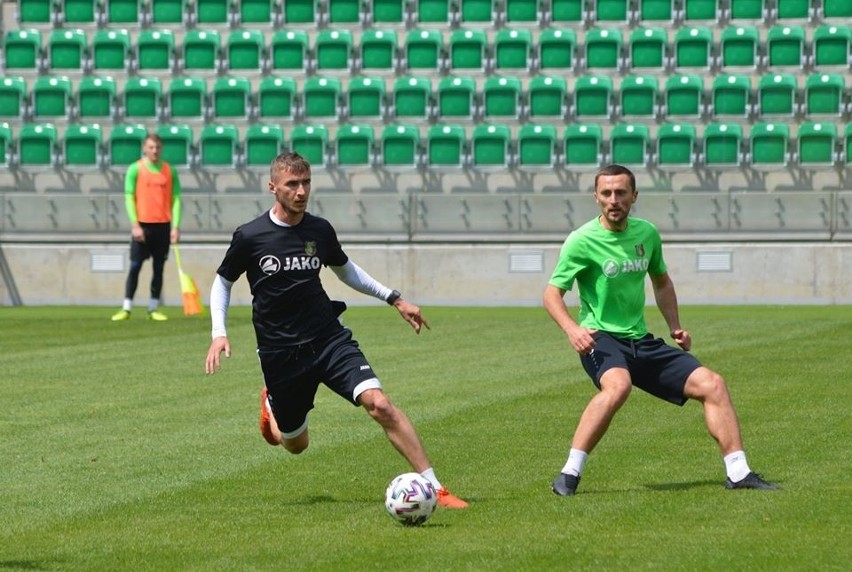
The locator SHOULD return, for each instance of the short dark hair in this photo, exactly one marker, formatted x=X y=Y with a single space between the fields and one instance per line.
x=289 y=161
x=153 y=137
x=613 y=171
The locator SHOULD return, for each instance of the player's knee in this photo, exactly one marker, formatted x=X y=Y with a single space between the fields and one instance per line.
x=294 y=446
x=381 y=409
x=707 y=385
x=617 y=388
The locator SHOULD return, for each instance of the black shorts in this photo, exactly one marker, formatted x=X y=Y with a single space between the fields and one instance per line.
x=654 y=366
x=292 y=376
x=158 y=237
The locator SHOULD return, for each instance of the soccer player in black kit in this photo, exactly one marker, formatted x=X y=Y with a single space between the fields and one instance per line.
x=300 y=340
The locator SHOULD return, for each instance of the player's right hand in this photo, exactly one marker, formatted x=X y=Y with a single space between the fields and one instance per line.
x=213 y=364
x=581 y=340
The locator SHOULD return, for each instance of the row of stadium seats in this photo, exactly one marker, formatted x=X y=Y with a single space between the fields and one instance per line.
x=457 y=98
x=430 y=50
x=675 y=146
x=418 y=12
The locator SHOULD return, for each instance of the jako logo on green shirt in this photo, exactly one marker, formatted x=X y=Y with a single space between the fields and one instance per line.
x=612 y=268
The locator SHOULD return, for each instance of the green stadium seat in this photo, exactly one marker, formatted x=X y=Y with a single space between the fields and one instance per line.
x=142 y=97
x=476 y=12
x=630 y=144
x=111 y=49
x=296 y=12
x=387 y=12
x=155 y=50
x=522 y=12
x=321 y=97
x=366 y=98
x=35 y=12
x=202 y=50
x=794 y=10
x=289 y=51
x=603 y=49
x=468 y=50
x=693 y=47
x=186 y=98
x=547 y=96
x=424 y=50
x=556 y=49
x=684 y=96
x=745 y=10
x=825 y=95
x=343 y=12
x=22 y=50
x=311 y=142
x=836 y=9
x=7 y=143
x=333 y=50
x=568 y=12
x=67 y=50
x=125 y=144
x=178 y=144
x=219 y=146
x=769 y=144
x=122 y=12
x=615 y=11
x=353 y=145
x=170 y=12
x=537 y=146
x=593 y=97
x=37 y=145
x=457 y=97
x=97 y=98
x=785 y=46
x=777 y=95
x=77 y=12
x=231 y=98
x=639 y=95
x=676 y=146
x=513 y=50
x=730 y=96
x=412 y=98
x=245 y=50
x=276 y=98
x=377 y=50
x=663 y=11
x=816 y=144
x=722 y=145
x=432 y=12
x=212 y=12
x=263 y=142
x=832 y=46
x=13 y=98
x=52 y=97
x=583 y=145
x=700 y=11
x=491 y=146
x=252 y=12
x=400 y=146
x=502 y=97
x=847 y=145
x=446 y=146
x=739 y=47
x=648 y=49
x=82 y=146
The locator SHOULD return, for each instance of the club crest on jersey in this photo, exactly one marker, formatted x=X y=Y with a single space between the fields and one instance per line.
x=310 y=248
x=640 y=250
x=270 y=264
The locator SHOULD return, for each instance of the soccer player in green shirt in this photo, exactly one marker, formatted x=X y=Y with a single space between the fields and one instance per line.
x=608 y=258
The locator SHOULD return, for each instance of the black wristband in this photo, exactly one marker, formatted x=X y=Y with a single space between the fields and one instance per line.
x=394 y=296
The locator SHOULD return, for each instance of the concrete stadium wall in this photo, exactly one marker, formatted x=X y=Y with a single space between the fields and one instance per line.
x=450 y=274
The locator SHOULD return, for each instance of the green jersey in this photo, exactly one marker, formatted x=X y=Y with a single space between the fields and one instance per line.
x=609 y=268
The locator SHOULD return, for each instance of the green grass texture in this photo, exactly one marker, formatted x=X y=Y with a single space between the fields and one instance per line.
x=119 y=453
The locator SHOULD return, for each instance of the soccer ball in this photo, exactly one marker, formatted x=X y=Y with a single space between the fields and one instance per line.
x=411 y=499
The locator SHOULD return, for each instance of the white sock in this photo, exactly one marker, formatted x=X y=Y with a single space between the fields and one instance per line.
x=127 y=305
x=736 y=466
x=153 y=305
x=430 y=476
x=575 y=463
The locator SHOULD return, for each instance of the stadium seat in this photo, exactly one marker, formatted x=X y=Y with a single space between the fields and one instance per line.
x=536 y=146
x=343 y=12
x=502 y=97
x=212 y=12
x=178 y=144
x=847 y=145
x=125 y=144
x=700 y=11
x=547 y=96
x=568 y=12
x=816 y=143
x=231 y=98
x=468 y=50
x=263 y=142
x=35 y=12
x=400 y=146
x=170 y=12
x=276 y=98
x=377 y=50
x=693 y=48
x=522 y=12
x=52 y=97
x=253 y=12
x=793 y=10
x=37 y=145
x=658 y=11
x=785 y=47
x=639 y=95
x=745 y=10
x=142 y=97
x=676 y=145
x=593 y=97
x=82 y=146
x=7 y=142
x=412 y=98
x=22 y=50
x=825 y=94
x=777 y=95
x=333 y=50
x=832 y=46
x=388 y=12
x=111 y=50
x=297 y=12
x=186 y=98
x=218 y=146
x=13 y=98
x=202 y=50
x=722 y=145
x=67 y=50
x=556 y=49
x=648 y=49
x=476 y=12
x=457 y=97
x=446 y=146
x=366 y=98
x=155 y=50
x=289 y=51
x=245 y=50
x=122 y=12
x=730 y=96
x=583 y=145
x=431 y=12
x=353 y=145
x=739 y=47
x=684 y=96
x=603 y=49
x=491 y=145
x=512 y=50
x=311 y=142
x=836 y=9
x=321 y=97
x=96 y=98
x=614 y=11
x=77 y=12
x=769 y=144
x=630 y=144
x=424 y=50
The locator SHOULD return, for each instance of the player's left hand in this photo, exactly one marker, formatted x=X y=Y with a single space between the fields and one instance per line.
x=175 y=235
x=683 y=339
x=411 y=314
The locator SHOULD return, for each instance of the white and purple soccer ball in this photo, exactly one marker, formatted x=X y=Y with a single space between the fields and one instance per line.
x=411 y=499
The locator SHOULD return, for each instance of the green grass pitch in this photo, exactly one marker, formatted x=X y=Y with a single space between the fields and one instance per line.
x=118 y=453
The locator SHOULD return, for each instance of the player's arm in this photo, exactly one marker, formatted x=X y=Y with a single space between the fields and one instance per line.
x=666 y=297
x=220 y=300
x=554 y=302
x=177 y=206
x=130 y=202
x=358 y=279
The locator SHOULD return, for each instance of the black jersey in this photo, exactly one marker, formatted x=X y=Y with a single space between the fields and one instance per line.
x=282 y=265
